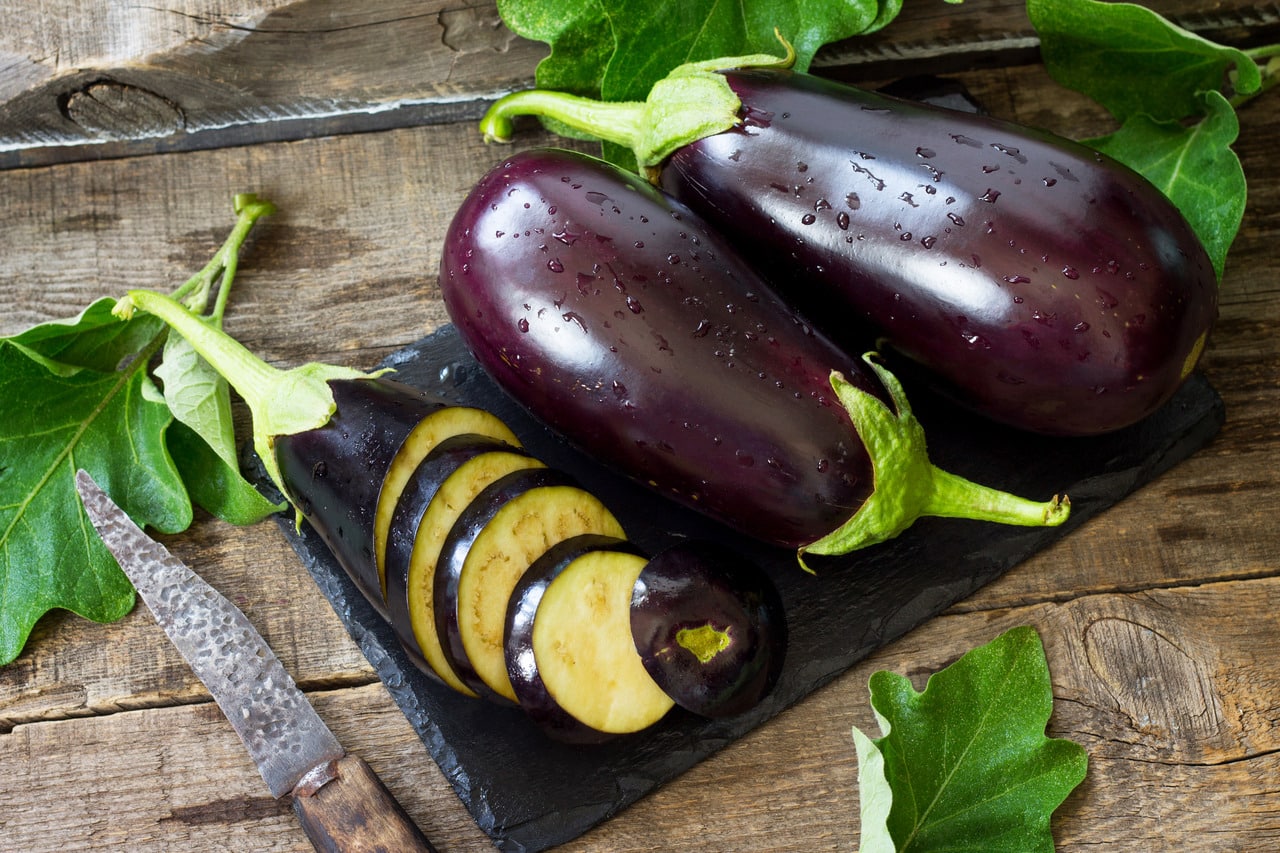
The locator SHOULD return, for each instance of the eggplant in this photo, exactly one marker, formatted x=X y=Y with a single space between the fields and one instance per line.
x=468 y=514
x=1032 y=279
x=596 y=677
x=328 y=473
x=405 y=537
x=522 y=665
x=495 y=540
x=458 y=491
x=710 y=628
x=426 y=434
x=617 y=317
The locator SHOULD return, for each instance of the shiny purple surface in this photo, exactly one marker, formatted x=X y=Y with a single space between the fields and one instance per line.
x=632 y=330
x=1044 y=285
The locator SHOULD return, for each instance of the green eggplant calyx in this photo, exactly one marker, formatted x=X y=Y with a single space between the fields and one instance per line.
x=692 y=102
x=281 y=402
x=906 y=485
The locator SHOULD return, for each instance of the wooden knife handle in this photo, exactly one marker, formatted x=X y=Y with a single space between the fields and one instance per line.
x=356 y=812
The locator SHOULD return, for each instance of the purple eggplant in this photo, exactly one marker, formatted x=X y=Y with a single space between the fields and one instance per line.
x=621 y=320
x=332 y=474
x=1032 y=278
x=710 y=628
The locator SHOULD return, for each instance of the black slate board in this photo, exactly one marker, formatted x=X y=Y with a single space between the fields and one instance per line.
x=529 y=792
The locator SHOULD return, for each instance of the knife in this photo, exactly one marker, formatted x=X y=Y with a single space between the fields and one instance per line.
x=340 y=801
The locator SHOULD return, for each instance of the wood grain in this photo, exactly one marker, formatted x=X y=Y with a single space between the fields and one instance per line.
x=91 y=81
x=1158 y=616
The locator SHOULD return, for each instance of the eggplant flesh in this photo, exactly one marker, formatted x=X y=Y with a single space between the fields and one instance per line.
x=1036 y=280
x=583 y=649
x=626 y=325
x=522 y=666
x=458 y=491
x=428 y=432
x=407 y=521
x=511 y=523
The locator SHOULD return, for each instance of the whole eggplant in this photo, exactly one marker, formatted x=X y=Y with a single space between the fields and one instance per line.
x=1034 y=279
x=627 y=325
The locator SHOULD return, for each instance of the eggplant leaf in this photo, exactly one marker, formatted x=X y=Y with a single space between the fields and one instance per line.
x=215 y=485
x=1193 y=165
x=77 y=394
x=616 y=50
x=112 y=424
x=1133 y=61
x=966 y=764
x=203 y=440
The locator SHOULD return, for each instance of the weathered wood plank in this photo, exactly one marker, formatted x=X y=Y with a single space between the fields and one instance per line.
x=83 y=80
x=1173 y=692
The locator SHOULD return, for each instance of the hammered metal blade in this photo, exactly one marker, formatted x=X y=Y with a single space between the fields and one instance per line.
x=284 y=735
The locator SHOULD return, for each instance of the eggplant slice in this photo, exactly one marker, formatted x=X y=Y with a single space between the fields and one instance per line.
x=583 y=647
x=509 y=525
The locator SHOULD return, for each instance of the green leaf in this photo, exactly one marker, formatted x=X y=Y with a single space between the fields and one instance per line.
x=77 y=395
x=95 y=339
x=1193 y=165
x=198 y=396
x=616 y=50
x=216 y=486
x=966 y=762
x=112 y=424
x=1133 y=61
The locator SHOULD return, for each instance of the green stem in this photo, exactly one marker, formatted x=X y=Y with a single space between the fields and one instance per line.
x=610 y=121
x=952 y=496
x=194 y=292
x=692 y=102
x=281 y=402
x=907 y=485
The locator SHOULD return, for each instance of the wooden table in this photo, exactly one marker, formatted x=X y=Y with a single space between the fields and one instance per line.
x=126 y=131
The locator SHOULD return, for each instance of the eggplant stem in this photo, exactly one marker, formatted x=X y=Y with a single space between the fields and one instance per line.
x=694 y=101
x=281 y=402
x=906 y=485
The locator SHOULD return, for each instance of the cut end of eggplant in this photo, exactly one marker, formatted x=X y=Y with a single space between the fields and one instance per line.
x=710 y=628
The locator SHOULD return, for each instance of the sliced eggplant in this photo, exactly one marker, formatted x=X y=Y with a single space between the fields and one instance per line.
x=522 y=667
x=709 y=627
x=333 y=474
x=406 y=521
x=508 y=526
x=456 y=493
x=583 y=646
x=425 y=435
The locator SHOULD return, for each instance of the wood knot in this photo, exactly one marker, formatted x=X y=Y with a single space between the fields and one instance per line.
x=111 y=110
x=1165 y=690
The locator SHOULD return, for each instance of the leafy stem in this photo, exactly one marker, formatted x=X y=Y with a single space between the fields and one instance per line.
x=281 y=402
x=907 y=485
x=195 y=291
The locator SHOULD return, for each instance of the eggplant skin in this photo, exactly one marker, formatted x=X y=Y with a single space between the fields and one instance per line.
x=617 y=317
x=1040 y=282
x=704 y=590
x=334 y=474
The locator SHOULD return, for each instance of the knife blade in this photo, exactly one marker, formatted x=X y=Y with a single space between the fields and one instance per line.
x=340 y=801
